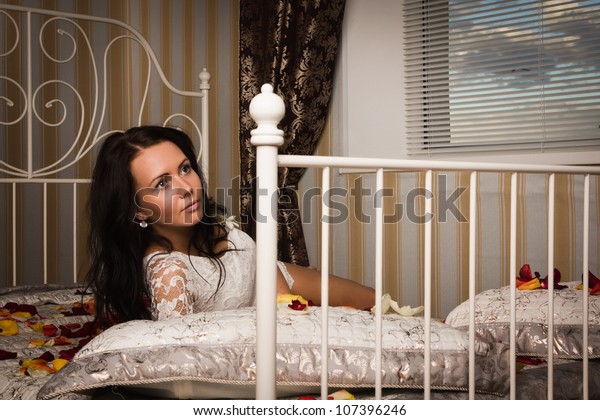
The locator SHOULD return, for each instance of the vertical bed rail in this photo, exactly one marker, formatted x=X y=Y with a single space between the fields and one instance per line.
x=74 y=232
x=325 y=231
x=427 y=285
x=512 y=281
x=586 y=284
x=45 y=231
x=472 y=278
x=267 y=109
x=14 y=233
x=550 y=336
x=378 y=282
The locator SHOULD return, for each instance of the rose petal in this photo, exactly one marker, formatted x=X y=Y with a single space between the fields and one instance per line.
x=8 y=327
x=288 y=298
x=21 y=316
x=49 y=330
x=530 y=285
x=544 y=282
x=342 y=394
x=27 y=308
x=62 y=341
x=297 y=305
x=525 y=272
x=11 y=306
x=47 y=356
x=58 y=364
x=40 y=371
x=69 y=330
x=5 y=355
x=38 y=342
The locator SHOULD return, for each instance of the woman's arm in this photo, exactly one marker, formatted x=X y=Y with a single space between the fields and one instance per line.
x=342 y=292
x=167 y=279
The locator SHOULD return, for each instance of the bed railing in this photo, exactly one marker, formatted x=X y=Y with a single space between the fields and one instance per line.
x=75 y=40
x=267 y=109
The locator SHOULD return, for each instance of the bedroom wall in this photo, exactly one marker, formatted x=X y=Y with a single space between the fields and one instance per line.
x=186 y=36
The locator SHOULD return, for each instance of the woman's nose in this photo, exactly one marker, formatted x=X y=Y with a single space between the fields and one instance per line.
x=182 y=186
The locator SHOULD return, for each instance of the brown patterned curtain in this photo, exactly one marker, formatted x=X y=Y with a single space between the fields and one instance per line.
x=293 y=46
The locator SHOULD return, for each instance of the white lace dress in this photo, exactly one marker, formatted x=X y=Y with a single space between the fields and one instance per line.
x=181 y=284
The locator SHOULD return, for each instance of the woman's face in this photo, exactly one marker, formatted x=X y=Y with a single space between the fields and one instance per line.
x=168 y=191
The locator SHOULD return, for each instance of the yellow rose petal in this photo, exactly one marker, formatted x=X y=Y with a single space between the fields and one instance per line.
x=58 y=364
x=8 y=327
x=37 y=326
x=288 y=298
x=21 y=315
x=341 y=395
x=36 y=343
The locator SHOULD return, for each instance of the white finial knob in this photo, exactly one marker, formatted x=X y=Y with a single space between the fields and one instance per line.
x=204 y=77
x=267 y=109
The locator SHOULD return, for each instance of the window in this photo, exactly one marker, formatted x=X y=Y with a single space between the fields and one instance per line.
x=496 y=76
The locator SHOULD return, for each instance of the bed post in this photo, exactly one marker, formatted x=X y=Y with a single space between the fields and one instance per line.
x=204 y=87
x=267 y=109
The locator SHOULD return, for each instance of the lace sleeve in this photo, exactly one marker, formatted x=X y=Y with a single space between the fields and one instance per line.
x=167 y=280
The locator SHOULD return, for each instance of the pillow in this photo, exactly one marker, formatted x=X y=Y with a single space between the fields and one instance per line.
x=212 y=355
x=492 y=319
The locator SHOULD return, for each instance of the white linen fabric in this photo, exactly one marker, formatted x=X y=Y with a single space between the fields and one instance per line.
x=182 y=284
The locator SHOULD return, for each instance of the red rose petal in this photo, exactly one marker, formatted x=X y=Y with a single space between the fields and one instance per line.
x=5 y=355
x=49 y=330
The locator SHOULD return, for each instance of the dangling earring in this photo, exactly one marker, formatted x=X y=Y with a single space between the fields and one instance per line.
x=143 y=224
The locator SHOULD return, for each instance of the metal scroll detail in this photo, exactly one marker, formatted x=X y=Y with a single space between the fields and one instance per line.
x=43 y=58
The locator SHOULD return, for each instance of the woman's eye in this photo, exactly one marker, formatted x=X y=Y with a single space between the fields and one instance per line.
x=161 y=184
x=186 y=169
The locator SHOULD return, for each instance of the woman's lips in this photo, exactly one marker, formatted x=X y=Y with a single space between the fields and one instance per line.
x=193 y=206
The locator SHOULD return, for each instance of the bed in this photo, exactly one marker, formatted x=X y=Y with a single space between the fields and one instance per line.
x=278 y=349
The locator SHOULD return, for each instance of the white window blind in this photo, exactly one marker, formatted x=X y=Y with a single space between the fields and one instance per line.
x=496 y=76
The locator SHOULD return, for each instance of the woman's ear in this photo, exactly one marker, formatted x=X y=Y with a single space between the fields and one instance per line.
x=142 y=215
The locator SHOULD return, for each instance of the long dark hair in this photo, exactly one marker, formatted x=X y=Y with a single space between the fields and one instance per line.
x=117 y=243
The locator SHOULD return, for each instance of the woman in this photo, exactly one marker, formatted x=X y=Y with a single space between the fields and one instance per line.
x=160 y=246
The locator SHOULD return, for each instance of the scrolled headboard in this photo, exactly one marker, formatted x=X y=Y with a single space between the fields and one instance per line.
x=67 y=81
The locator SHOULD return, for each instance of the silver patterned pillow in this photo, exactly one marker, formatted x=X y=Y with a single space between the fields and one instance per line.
x=212 y=355
x=492 y=319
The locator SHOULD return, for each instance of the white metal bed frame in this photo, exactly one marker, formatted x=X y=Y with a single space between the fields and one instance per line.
x=83 y=142
x=267 y=109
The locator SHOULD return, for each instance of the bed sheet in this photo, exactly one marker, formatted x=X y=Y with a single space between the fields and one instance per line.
x=41 y=328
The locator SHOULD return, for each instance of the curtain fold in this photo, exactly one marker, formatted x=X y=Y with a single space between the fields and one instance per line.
x=293 y=46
